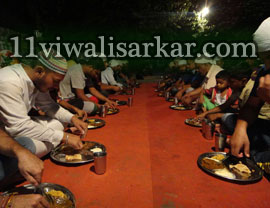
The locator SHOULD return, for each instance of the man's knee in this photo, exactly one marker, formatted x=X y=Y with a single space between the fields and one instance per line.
x=90 y=107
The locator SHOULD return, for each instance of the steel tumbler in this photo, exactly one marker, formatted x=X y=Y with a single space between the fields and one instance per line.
x=100 y=162
x=130 y=101
x=209 y=130
x=220 y=142
x=103 y=111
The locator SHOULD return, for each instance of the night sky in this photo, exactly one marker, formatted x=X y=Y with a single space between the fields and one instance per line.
x=70 y=15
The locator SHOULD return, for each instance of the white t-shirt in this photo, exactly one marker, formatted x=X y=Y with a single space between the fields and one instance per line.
x=108 y=78
x=219 y=99
x=17 y=96
x=74 y=79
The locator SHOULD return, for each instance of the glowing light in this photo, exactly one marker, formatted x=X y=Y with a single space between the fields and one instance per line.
x=204 y=12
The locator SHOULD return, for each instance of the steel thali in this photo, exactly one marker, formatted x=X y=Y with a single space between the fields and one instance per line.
x=65 y=154
x=226 y=172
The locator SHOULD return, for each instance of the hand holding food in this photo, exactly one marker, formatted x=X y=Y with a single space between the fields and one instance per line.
x=73 y=140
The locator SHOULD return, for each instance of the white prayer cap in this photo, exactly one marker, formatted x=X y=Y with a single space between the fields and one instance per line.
x=171 y=64
x=262 y=36
x=181 y=62
x=124 y=62
x=114 y=63
x=204 y=60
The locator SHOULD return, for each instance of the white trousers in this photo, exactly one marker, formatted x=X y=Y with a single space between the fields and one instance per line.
x=43 y=148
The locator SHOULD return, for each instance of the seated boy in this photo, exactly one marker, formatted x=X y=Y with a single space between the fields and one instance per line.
x=237 y=82
x=218 y=94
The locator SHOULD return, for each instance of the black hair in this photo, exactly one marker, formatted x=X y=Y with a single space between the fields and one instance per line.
x=241 y=71
x=223 y=75
x=241 y=74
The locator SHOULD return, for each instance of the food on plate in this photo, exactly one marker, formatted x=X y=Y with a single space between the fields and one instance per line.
x=240 y=169
x=96 y=149
x=57 y=194
x=218 y=157
x=92 y=123
x=60 y=199
x=179 y=107
x=211 y=163
x=75 y=157
x=69 y=151
x=111 y=110
x=225 y=173
x=194 y=122
x=88 y=145
x=264 y=166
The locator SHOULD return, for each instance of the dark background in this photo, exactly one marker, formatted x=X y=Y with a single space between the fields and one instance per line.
x=122 y=14
x=135 y=20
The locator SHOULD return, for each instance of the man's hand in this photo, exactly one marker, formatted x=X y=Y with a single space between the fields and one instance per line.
x=201 y=116
x=81 y=113
x=29 y=201
x=116 y=88
x=30 y=166
x=213 y=116
x=186 y=99
x=73 y=140
x=80 y=125
x=240 y=142
x=263 y=90
x=111 y=104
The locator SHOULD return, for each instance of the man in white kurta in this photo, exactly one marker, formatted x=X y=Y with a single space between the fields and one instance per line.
x=18 y=94
x=107 y=76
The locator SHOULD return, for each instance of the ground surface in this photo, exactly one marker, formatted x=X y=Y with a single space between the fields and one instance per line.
x=151 y=162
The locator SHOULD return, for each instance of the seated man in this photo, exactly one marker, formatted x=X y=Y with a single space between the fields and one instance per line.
x=73 y=85
x=21 y=88
x=192 y=81
x=94 y=87
x=252 y=134
x=121 y=76
x=210 y=71
x=173 y=75
x=15 y=154
x=107 y=76
x=178 y=78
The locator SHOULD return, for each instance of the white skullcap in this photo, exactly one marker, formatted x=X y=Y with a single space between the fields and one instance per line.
x=181 y=62
x=171 y=64
x=204 y=60
x=114 y=63
x=123 y=62
x=262 y=36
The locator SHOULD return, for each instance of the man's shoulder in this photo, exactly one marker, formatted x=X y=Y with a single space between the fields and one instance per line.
x=76 y=68
x=9 y=74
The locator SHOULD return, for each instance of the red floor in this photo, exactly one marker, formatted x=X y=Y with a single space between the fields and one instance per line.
x=152 y=158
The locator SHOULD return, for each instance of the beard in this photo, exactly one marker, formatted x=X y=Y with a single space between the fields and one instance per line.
x=40 y=84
